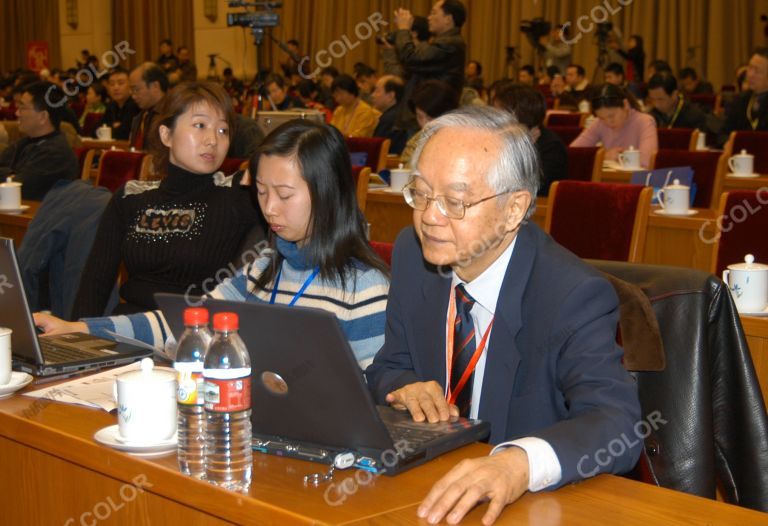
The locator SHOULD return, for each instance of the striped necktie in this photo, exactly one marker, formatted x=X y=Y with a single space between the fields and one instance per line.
x=463 y=348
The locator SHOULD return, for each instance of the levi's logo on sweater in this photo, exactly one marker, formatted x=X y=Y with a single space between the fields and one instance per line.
x=173 y=221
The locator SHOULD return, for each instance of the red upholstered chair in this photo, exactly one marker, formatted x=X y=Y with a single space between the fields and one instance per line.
x=231 y=165
x=566 y=133
x=90 y=124
x=677 y=138
x=377 y=149
x=85 y=156
x=585 y=163
x=599 y=220
x=754 y=142
x=117 y=167
x=362 y=175
x=383 y=250
x=744 y=220
x=565 y=119
x=708 y=172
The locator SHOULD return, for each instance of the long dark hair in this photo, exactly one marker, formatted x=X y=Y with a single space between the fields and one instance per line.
x=336 y=224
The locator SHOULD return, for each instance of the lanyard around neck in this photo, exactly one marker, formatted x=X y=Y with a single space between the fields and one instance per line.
x=753 y=121
x=451 y=396
x=299 y=293
x=680 y=103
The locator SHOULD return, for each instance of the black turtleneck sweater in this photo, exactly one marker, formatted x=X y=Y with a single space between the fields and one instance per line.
x=171 y=237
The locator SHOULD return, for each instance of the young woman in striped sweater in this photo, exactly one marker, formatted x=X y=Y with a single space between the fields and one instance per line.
x=317 y=254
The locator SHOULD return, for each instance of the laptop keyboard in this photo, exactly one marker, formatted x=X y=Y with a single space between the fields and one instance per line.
x=55 y=354
x=414 y=437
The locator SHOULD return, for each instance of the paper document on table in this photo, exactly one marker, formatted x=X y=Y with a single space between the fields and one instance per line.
x=96 y=390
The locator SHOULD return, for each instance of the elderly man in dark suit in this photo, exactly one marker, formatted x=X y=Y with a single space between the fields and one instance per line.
x=490 y=318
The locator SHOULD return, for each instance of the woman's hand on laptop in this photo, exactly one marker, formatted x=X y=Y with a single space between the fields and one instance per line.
x=424 y=400
x=51 y=325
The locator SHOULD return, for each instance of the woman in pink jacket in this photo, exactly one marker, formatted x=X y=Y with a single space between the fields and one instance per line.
x=619 y=125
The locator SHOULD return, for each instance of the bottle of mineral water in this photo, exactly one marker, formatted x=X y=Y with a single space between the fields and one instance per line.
x=190 y=354
x=227 y=374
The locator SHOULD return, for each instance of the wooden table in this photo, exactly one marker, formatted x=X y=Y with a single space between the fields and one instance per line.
x=105 y=145
x=54 y=473
x=15 y=225
x=745 y=183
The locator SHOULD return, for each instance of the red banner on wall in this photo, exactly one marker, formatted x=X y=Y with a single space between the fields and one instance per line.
x=37 y=55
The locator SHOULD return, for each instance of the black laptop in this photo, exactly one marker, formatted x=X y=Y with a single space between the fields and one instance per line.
x=309 y=396
x=50 y=355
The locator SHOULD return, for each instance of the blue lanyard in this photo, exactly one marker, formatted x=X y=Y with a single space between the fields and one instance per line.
x=301 y=290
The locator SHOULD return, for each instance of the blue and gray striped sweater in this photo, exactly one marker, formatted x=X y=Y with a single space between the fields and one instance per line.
x=360 y=308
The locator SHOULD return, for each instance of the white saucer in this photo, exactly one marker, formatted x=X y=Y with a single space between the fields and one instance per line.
x=18 y=380
x=20 y=210
x=762 y=313
x=663 y=212
x=110 y=436
x=742 y=176
x=391 y=190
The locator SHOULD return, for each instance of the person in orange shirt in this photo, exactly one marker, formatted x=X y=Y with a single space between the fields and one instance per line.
x=353 y=117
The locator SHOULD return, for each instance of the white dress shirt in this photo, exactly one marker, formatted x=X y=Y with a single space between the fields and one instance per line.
x=543 y=465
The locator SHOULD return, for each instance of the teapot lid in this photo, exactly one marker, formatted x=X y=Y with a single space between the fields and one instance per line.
x=148 y=374
x=676 y=185
x=749 y=264
x=10 y=182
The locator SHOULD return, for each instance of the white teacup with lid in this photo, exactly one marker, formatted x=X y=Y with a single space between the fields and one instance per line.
x=742 y=164
x=630 y=158
x=399 y=177
x=748 y=283
x=146 y=404
x=674 y=198
x=10 y=194
x=104 y=133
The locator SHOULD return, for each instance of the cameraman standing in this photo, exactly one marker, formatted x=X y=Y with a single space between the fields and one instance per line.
x=556 y=51
x=443 y=58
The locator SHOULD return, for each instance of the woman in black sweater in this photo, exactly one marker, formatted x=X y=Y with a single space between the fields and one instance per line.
x=173 y=233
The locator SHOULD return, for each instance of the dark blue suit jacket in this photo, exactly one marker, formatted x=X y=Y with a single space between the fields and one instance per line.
x=553 y=368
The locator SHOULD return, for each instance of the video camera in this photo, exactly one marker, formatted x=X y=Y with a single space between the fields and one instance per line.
x=603 y=29
x=535 y=29
x=256 y=20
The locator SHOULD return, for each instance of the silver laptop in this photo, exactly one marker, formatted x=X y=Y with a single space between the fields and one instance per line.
x=269 y=120
x=309 y=399
x=50 y=355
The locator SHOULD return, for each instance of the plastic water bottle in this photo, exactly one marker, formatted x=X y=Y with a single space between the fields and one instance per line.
x=227 y=373
x=190 y=354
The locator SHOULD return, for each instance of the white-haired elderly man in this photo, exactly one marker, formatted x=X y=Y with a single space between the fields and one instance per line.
x=490 y=318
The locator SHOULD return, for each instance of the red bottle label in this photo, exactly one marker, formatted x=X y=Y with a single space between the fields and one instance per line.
x=227 y=396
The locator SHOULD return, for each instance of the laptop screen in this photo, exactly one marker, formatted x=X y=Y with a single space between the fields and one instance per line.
x=14 y=308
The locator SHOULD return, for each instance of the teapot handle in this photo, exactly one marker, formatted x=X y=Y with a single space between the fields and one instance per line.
x=660 y=197
x=726 y=273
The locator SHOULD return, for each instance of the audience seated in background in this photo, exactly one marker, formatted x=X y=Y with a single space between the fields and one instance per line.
x=670 y=108
x=473 y=77
x=366 y=79
x=551 y=380
x=577 y=84
x=308 y=92
x=691 y=84
x=174 y=233
x=121 y=109
x=304 y=186
x=529 y=108
x=185 y=71
x=431 y=99
x=564 y=99
x=526 y=75
x=749 y=111
x=352 y=117
x=44 y=156
x=619 y=125
x=95 y=99
x=277 y=94
x=149 y=84
x=167 y=60
x=387 y=97
x=245 y=138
